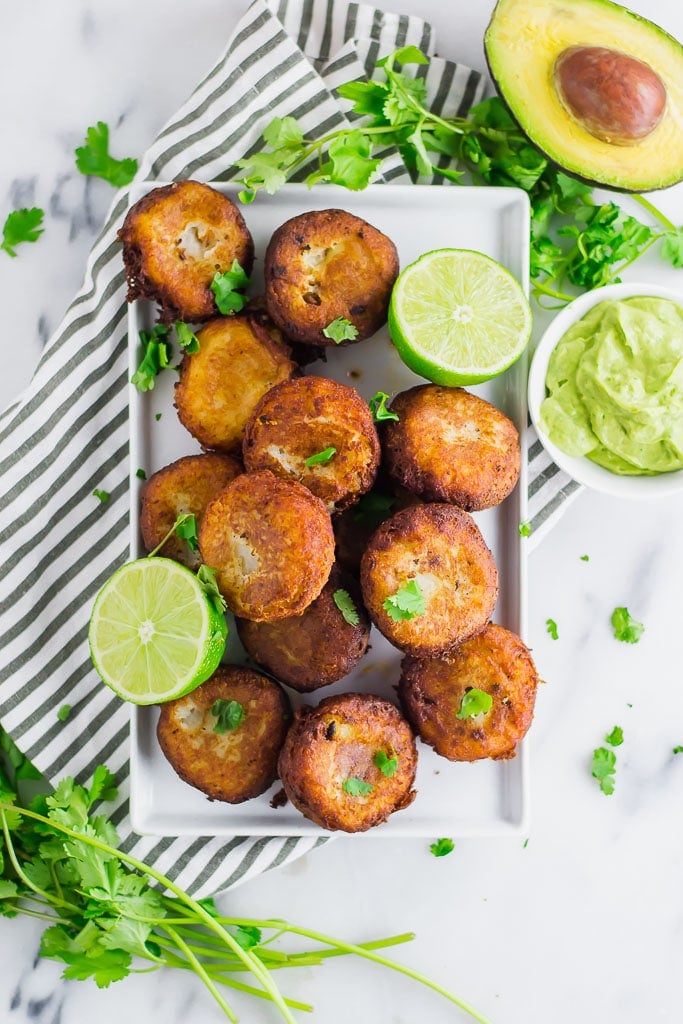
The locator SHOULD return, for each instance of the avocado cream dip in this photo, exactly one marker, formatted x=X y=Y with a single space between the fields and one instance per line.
x=615 y=387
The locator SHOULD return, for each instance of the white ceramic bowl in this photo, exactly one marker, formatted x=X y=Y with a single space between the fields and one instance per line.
x=581 y=469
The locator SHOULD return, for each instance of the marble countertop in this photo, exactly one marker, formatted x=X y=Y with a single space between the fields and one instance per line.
x=583 y=923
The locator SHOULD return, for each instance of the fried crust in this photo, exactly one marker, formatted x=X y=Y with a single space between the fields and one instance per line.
x=328 y=264
x=314 y=649
x=239 y=359
x=175 y=239
x=304 y=416
x=272 y=545
x=185 y=486
x=440 y=547
x=431 y=692
x=450 y=445
x=338 y=740
x=231 y=766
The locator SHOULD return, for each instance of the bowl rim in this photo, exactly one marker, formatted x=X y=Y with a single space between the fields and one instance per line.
x=581 y=469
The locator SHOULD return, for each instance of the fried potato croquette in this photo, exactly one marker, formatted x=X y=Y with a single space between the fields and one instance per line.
x=450 y=445
x=239 y=359
x=314 y=649
x=302 y=418
x=330 y=762
x=437 y=552
x=184 y=487
x=175 y=240
x=324 y=265
x=431 y=691
x=228 y=752
x=272 y=545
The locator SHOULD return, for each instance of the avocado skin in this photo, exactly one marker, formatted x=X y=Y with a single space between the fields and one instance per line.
x=584 y=178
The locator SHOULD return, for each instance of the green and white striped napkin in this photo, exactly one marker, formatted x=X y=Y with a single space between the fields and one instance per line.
x=68 y=434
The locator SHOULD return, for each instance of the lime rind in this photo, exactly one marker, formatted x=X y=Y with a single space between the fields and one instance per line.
x=187 y=633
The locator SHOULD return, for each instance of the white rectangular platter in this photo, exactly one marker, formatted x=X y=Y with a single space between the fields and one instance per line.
x=454 y=799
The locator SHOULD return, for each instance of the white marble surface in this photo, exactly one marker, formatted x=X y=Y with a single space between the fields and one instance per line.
x=586 y=922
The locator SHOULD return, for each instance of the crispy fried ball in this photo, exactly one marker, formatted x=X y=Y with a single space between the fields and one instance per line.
x=324 y=265
x=175 y=239
x=239 y=359
x=449 y=445
x=432 y=690
x=314 y=649
x=435 y=555
x=237 y=763
x=332 y=752
x=185 y=486
x=272 y=545
x=307 y=416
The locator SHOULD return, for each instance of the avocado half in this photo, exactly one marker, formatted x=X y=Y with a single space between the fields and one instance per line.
x=595 y=87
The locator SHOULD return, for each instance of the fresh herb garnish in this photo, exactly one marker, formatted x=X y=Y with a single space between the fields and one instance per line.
x=616 y=737
x=585 y=558
x=525 y=844
x=229 y=715
x=64 y=712
x=186 y=529
x=373 y=508
x=378 y=407
x=140 y=474
x=93 y=158
x=357 y=787
x=157 y=416
x=551 y=628
x=207 y=577
x=321 y=457
x=187 y=339
x=387 y=765
x=155 y=358
x=227 y=287
x=340 y=330
x=625 y=627
x=344 y=603
x=102 y=496
x=442 y=847
x=21 y=226
x=678 y=750
x=603 y=769
x=474 y=702
x=406 y=603
x=524 y=529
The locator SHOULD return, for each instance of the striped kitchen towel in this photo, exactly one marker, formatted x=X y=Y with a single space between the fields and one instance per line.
x=68 y=434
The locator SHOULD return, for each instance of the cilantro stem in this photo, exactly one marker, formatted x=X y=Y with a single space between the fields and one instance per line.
x=51 y=901
x=652 y=209
x=562 y=296
x=627 y=263
x=199 y=969
x=179 y=522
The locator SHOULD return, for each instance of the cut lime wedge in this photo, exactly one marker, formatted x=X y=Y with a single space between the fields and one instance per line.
x=458 y=317
x=154 y=634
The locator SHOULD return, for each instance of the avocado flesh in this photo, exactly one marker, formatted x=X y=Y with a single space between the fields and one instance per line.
x=523 y=41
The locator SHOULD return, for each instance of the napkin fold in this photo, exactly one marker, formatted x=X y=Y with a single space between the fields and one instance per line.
x=68 y=434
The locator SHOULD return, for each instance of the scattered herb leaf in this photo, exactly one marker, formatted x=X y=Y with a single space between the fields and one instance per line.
x=227 y=287
x=378 y=407
x=524 y=529
x=207 y=577
x=229 y=715
x=373 y=508
x=585 y=558
x=475 y=702
x=21 y=226
x=551 y=628
x=186 y=529
x=442 y=847
x=321 y=457
x=64 y=712
x=340 y=330
x=625 y=627
x=387 y=765
x=93 y=158
x=157 y=416
x=357 y=787
x=102 y=496
x=603 y=768
x=156 y=356
x=140 y=474
x=678 y=750
x=247 y=936
x=525 y=844
x=406 y=603
x=616 y=737
x=187 y=339
x=344 y=603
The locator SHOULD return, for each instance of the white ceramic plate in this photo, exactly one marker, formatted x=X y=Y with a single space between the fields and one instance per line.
x=483 y=798
x=583 y=470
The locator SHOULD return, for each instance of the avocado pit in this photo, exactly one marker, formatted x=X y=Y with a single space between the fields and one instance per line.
x=614 y=96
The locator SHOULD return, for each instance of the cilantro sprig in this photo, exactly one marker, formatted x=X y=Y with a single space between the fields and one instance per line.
x=227 y=289
x=21 y=226
x=577 y=241
x=93 y=158
x=406 y=603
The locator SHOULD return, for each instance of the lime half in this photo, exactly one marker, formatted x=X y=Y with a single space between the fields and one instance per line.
x=154 y=634
x=458 y=317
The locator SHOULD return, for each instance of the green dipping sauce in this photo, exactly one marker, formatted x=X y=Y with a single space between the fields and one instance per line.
x=615 y=387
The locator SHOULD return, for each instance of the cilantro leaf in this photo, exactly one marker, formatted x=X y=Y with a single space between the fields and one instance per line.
x=672 y=249
x=229 y=715
x=616 y=737
x=93 y=158
x=187 y=339
x=373 y=508
x=357 y=787
x=474 y=702
x=21 y=226
x=387 y=765
x=226 y=289
x=207 y=577
x=406 y=603
x=64 y=712
x=321 y=457
x=626 y=628
x=524 y=529
x=551 y=628
x=140 y=474
x=340 y=330
x=283 y=131
x=186 y=529
x=102 y=496
x=156 y=356
x=677 y=750
x=344 y=603
x=350 y=163
x=378 y=407
x=603 y=769
x=404 y=55
x=585 y=558
x=247 y=936
x=442 y=847
x=103 y=786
